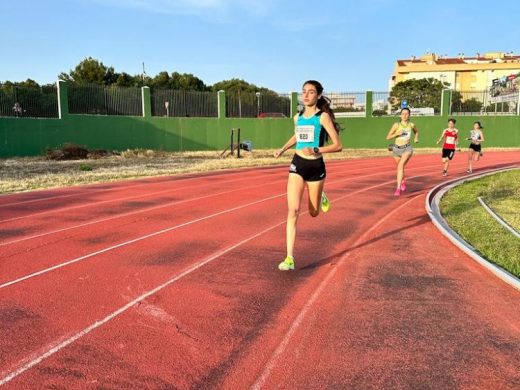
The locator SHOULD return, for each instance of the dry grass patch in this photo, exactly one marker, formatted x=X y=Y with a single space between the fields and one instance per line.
x=31 y=173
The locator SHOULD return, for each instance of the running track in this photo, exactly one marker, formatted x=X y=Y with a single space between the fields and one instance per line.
x=172 y=283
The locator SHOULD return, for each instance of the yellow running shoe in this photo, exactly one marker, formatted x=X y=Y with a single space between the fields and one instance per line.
x=325 y=204
x=287 y=264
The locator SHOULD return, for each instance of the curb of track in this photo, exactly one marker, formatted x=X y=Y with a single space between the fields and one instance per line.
x=432 y=207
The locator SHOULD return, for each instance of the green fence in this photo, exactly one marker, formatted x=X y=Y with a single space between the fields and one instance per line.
x=31 y=136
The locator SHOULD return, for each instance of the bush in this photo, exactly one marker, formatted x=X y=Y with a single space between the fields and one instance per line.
x=77 y=152
x=379 y=113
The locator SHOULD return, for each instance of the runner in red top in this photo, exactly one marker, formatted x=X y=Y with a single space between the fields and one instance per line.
x=450 y=136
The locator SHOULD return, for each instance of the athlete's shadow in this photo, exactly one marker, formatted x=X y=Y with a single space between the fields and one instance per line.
x=420 y=220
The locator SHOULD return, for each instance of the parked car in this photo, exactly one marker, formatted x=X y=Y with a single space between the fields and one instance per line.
x=272 y=115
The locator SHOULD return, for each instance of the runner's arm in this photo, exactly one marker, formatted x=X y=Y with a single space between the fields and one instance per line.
x=391 y=133
x=416 y=131
x=442 y=136
x=335 y=144
x=288 y=145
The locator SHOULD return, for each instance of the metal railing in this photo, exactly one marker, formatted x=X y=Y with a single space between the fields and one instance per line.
x=484 y=103
x=274 y=106
x=30 y=102
x=101 y=100
x=257 y=104
x=346 y=104
x=381 y=104
x=176 y=103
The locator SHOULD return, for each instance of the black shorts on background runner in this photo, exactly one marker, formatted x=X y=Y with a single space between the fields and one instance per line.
x=475 y=147
x=448 y=153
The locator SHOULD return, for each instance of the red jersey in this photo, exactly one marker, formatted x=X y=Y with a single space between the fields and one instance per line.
x=450 y=139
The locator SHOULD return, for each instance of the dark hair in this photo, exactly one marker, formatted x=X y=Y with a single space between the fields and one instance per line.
x=452 y=120
x=479 y=125
x=407 y=109
x=324 y=104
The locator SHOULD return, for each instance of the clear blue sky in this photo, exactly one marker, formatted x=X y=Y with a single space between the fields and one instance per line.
x=348 y=45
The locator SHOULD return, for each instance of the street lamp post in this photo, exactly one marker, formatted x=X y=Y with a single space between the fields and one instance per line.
x=258 y=104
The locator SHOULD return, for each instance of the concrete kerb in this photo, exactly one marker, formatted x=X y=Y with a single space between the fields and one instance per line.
x=498 y=218
x=432 y=207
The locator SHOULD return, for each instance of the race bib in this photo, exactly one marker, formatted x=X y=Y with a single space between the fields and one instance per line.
x=450 y=140
x=305 y=133
x=405 y=135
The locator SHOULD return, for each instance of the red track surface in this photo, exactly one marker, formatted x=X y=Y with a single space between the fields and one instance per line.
x=173 y=283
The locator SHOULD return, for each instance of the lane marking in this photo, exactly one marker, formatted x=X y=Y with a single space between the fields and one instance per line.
x=54 y=349
x=260 y=382
x=78 y=259
x=155 y=207
x=61 y=265
x=169 y=204
x=87 y=187
x=284 y=343
x=113 y=200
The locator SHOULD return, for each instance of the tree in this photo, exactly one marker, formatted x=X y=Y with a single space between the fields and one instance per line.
x=187 y=82
x=420 y=93
x=125 y=80
x=162 y=80
x=91 y=71
x=235 y=85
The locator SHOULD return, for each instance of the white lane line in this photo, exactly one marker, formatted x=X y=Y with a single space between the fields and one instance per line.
x=498 y=218
x=114 y=200
x=151 y=208
x=220 y=183
x=76 y=260
x=44 y=271
x=51 y=351
x=87 y=190
x=165 y=205
x=260 y=382
x=83 y=191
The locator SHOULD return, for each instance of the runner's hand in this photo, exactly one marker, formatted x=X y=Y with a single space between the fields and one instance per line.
x=278 y=153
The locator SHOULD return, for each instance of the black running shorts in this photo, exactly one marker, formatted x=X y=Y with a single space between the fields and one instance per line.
x=309 y=170
x=448 y=153
x=475 y=147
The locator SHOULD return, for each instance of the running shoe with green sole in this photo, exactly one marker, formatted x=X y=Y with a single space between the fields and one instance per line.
x=287 y=264
x=325 y=204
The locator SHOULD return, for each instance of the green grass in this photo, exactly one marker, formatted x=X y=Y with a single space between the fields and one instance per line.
x=464 y=213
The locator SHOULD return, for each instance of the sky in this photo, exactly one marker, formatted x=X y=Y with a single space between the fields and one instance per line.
x=347 y=45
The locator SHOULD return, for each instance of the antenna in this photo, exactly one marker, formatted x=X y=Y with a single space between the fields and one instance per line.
x=144 y=72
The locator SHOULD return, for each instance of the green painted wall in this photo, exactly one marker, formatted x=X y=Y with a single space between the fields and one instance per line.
x=29 y=137
x=499 y=131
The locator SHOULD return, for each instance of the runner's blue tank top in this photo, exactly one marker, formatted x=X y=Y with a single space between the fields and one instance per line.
x=309 y=132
